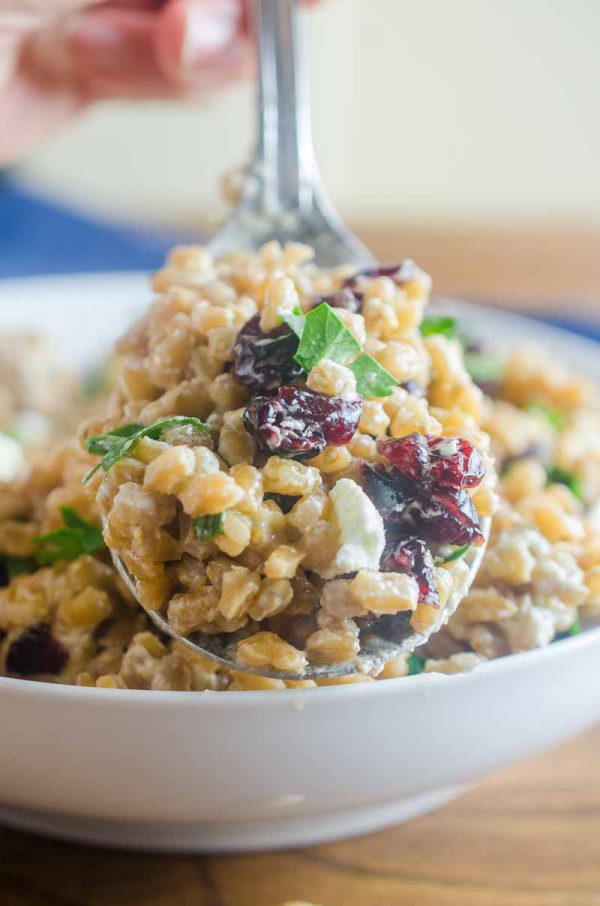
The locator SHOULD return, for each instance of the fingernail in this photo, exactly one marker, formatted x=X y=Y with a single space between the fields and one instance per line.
x=209 y=30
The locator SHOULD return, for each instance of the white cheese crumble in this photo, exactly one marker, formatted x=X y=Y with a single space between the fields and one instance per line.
x=362 y=536
x=11 y=457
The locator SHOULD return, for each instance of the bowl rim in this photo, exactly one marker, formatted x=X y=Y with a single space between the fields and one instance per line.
x=403 y=685
x=138 y=280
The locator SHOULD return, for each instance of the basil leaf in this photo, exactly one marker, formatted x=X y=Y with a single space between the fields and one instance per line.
x=76 y=538
x=295 y=322
x=416 y=664
x=556 y=475
x=116 y=444
x=372 y=379
x=325 y=337
x=455 y=555
x=443 y=324
x=208 y=526
x=555 y=418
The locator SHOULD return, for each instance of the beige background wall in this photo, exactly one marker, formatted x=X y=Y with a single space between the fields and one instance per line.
x=423 y=111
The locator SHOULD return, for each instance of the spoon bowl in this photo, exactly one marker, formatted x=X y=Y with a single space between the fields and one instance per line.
x=283 y=200
x=378 y=645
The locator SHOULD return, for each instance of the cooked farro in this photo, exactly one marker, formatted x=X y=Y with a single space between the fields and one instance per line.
x=226 y=533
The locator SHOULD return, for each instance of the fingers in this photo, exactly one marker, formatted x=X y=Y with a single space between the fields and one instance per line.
x=185 y=47
x=199 y=39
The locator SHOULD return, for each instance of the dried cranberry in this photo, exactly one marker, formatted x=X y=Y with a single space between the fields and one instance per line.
x=388 y=490
x=413 y=557
x=285 y=502
x=300 y=423
x=443 y=516
x=36 y=651
x=438 y=461
x=265 y=361
x=401 y=273
x=349 y=299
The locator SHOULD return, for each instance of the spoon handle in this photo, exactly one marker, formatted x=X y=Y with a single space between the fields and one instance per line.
x=284 y=156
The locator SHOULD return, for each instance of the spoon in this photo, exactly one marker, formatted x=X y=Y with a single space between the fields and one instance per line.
x=283 y=199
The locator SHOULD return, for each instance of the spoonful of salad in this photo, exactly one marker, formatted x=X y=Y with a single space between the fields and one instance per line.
x=302 y=492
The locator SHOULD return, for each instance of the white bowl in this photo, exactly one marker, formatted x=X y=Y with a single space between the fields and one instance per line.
x=255 y=770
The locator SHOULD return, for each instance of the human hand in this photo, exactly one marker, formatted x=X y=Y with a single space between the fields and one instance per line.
x=57 y=56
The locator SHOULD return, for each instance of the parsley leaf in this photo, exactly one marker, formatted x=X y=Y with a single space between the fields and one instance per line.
x=295 y=322
x=443 y=324
x=556 y=475
x=416 y=664
x=76 y=538
x=455 y=555
x=372 y=379
x=208 y=526
x=325 y=337
x=555 y=417
x=116 y=444
x=18 y=566
x=483 y=367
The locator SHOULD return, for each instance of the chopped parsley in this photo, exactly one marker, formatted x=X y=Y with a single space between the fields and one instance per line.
x=77 y=537
x=323 y=335
x=556 y=475
x=208 y=526
x=18 y=566
x=455 y=555
x=555 y=417
x=483 y=367
x=114 y=445
x=444 y=324
x=575 y=629
x=372 y=379
x=416 y=664
x=295 y=322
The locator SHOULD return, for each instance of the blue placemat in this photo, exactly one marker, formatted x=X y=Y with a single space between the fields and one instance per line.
x=37 y=237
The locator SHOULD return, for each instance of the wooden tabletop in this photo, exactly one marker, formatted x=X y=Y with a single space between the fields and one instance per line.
x=529 y=836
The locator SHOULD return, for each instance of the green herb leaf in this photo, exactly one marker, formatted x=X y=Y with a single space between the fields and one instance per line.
x=483 y=367
x=555 y=417
x=295 y=322
x=416 y=664
x=556 y=475
x=443 y=324
x=76 y=538
x=575 y=629
x=116 y=444
x=208 y=526
x=18 y=566
x=325 y=337
x=372 y=379
x=455 y=555
x=96 y=381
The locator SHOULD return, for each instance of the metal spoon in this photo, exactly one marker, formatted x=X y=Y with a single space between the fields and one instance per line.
x=283 y=200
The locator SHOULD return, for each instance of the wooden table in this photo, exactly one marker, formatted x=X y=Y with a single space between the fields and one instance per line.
x=527 y=837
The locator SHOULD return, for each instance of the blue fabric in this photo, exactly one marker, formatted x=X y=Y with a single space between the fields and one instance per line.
x=37 y=237
x=582 y=326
